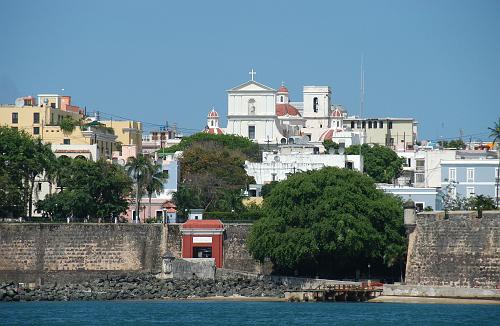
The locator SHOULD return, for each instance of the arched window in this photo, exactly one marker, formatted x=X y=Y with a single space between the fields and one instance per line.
x=251 y=106
x=281 y=100
x=315 y=104
x=212 y=123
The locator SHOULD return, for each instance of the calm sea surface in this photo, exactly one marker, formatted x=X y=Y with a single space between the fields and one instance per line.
x=243 y=313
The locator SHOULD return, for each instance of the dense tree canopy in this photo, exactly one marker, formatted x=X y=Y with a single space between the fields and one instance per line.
x=22 y=158
x=328 y=222
x=91 y=189
x=212 y=177
x=232 y=142
x=380 y=162
x=454 y=143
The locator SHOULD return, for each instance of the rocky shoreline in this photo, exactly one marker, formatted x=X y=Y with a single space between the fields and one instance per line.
x=144 y=287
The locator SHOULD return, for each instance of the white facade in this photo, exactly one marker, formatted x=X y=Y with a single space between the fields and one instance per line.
x=277 y=167
x=252 y=112
x=267 y=116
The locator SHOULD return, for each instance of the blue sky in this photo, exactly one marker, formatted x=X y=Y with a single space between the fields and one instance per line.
x=156 y=61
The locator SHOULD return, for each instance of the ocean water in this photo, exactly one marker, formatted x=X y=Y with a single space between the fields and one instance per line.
x=243 y=313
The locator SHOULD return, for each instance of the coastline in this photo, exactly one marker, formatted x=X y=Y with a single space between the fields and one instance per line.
x=427 y=300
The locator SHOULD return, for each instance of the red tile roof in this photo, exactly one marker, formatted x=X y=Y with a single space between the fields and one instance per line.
x=203 y=224
x=213 y=114
x=212 y=131
x=286 y=109
x=282 y=89
x=329 y=134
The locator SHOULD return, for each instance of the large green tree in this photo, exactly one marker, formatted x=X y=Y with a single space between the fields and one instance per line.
x=212 y=176
x=233 y=142
x=380 y=162
x=22 y=159
x=328 y=222
x=91 y=189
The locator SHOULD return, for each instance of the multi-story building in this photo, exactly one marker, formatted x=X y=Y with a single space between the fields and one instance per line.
x=469 y=177
x=129 y=133
x=160 y=138
x=276 y=166
x=26 y=115
x=396 y=133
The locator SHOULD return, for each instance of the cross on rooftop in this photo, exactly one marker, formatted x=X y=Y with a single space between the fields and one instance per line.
x=252 y=73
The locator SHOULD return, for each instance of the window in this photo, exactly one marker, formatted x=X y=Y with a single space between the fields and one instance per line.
x=212 y=123
x=420 y=165
x=39 y=186
x=281 y=98
x=369 y=125
x=419 y=178
x=364 y=124
x=352 y=124
x=408 y=162
x=453 y=192
x=159 y=214
x=419 y=206
x=470 y=192
x=36 y=117
x=15 y=117
x=66 y=141
x=452 y=174
x=36 y=130
x=381 y=124
x=251 y=106
x=251 y=132
x=53 y=105
x=496 y=173
x=389 y=125
x=375 y=123
x=315 y=104
x=470 y=174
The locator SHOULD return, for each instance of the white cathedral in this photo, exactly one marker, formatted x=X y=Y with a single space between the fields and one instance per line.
x=267 y=116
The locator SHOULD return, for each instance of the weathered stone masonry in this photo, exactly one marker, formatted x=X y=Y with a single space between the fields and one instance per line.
x=462 y=250
x=76 y=252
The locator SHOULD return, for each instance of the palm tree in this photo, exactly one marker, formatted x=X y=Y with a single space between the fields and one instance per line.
x=154 y=184
x=139 y=169
x=495 y=134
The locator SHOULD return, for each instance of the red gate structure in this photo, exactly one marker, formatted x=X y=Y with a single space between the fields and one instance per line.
x=203 y=239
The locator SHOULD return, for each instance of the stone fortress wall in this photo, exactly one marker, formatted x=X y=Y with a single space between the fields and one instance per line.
x=461 y=250
x=75 y=252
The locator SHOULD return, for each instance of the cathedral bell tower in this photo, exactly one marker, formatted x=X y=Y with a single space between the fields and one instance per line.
x=282 y=95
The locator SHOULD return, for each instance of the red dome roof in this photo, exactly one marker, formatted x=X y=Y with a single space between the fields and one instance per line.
x=216 y=131
x=213 y=114
x=336 y=113
x=328 y=135
x=286 y=109
x=282 y=89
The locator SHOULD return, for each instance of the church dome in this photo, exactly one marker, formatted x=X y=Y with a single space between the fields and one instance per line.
x=283 y=89
x=286 y=109
x=328 y=134
x=214 y=131
x=213 y=114
x=337 y=113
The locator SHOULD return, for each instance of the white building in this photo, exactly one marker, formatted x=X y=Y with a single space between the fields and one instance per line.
x=277 y=166
x=267 y=116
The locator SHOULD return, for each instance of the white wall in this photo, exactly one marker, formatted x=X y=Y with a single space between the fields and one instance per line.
x=282 y=164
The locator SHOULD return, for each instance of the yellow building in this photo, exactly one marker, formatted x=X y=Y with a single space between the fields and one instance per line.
x=32 y=118
x=129 y=133
x=93 y=141
x=396 y=133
